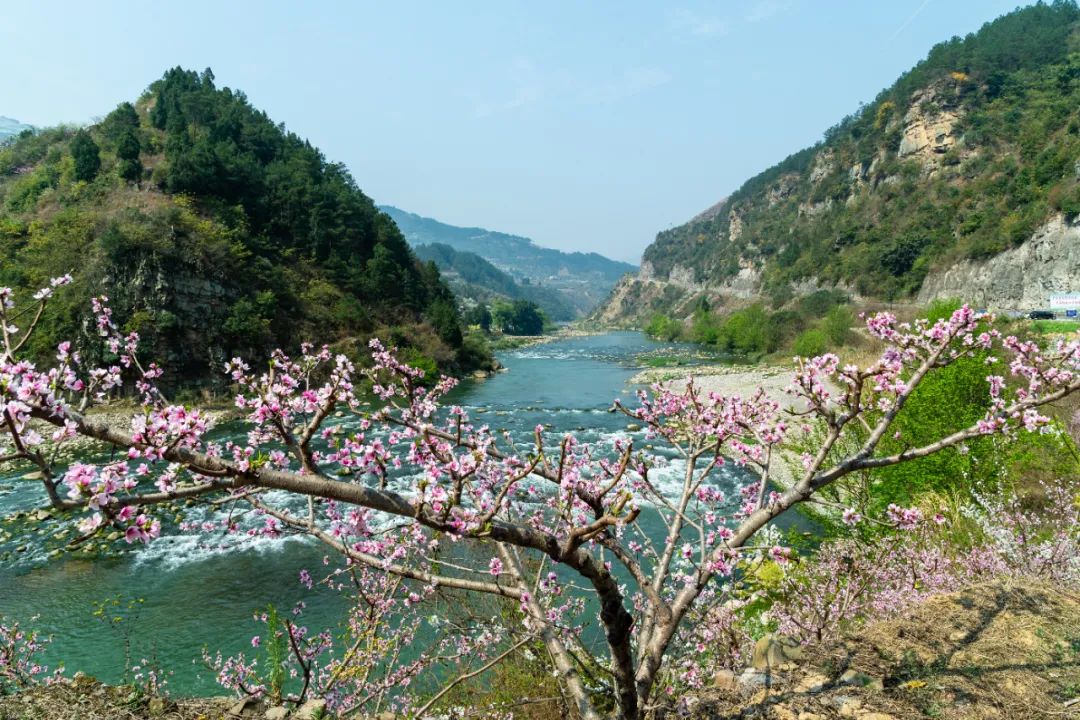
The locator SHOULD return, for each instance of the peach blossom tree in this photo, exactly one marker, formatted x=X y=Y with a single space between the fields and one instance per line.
x=552 y=525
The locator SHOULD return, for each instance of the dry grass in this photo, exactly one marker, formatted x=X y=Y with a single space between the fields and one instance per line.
x=83 y=698
x=992 y=652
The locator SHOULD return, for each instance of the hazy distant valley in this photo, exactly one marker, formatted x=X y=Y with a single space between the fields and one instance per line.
x=566 y=285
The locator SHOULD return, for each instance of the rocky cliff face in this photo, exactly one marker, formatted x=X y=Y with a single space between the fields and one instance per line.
x=955 y=181
x=635 y=298
x=930 y=126
x=1019 y=279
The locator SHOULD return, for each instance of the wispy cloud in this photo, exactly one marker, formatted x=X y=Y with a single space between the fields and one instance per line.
x=632 y=82
x=766 y=10
x=522 y=96
x=690 y=23
x=907 y=22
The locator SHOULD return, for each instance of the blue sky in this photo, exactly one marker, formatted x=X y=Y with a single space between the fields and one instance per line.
x=584 y=125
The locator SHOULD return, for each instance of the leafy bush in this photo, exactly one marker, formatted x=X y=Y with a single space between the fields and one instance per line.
x=837 y=325
x=811 y=343
x=663 y=327
x=747 y=331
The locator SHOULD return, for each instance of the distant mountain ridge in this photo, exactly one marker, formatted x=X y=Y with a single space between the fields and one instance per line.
x=584 y=278
x=10 y=127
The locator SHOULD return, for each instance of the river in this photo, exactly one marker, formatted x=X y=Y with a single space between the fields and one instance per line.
x=196 y=590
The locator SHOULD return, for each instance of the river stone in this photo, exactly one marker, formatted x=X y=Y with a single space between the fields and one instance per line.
x=277 y=713
x=725 y=680
x=633 y=427
x=158 y=706
x=858 y=679
x=812 y=683
x=777 y=652
x=42 y=515
x=846 y=705
x=35 y=475
x=750 y=678
x=311 y=710
x=245 y=707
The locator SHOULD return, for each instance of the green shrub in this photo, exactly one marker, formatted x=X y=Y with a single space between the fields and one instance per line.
x=704 y=328
x=747 y=331
x=837 y=325
x=820 y=302
x=811 y=343
x=417 y=359
x=663 y=327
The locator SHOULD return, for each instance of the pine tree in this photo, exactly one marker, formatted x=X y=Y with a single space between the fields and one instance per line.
x=87 y=156
x=127 y=155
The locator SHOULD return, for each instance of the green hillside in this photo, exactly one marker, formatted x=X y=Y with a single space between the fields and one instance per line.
x=214 y=232
x=963 y=157
x=475 y=279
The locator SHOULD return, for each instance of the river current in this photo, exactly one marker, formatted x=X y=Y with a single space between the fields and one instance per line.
x=192 y=590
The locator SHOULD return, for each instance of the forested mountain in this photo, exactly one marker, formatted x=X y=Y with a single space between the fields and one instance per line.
x=961 y=178
x=473 y=278
x=214 y=232
x=10 y=128
x=583 y=278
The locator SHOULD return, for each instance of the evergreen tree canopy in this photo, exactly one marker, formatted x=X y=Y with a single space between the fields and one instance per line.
x=85 y=152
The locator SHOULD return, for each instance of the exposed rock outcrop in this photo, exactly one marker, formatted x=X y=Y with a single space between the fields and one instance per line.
x=929 y=126
x=735 y=226
x=1018 y=279
x=824 y=165
x=783 y=189
x=636 y=297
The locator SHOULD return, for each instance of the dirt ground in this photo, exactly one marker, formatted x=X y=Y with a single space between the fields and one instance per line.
x=992 y=652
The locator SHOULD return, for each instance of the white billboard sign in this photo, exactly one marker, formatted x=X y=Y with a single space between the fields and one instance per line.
x=1065 y=301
